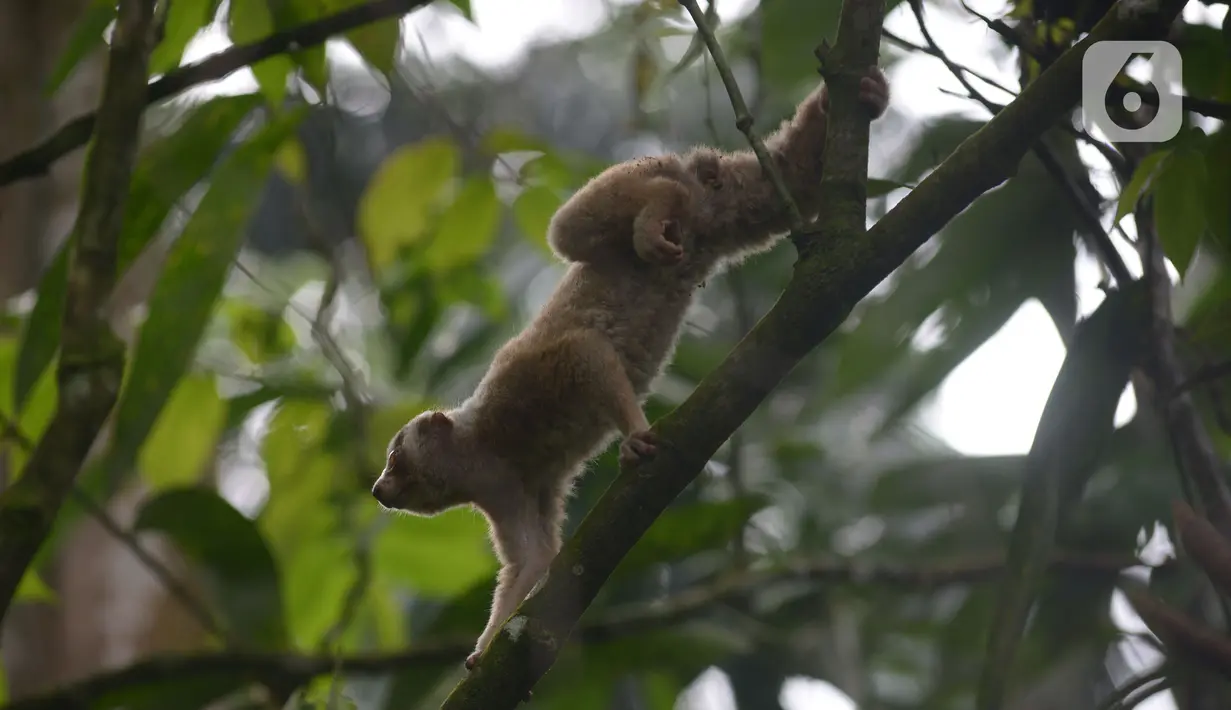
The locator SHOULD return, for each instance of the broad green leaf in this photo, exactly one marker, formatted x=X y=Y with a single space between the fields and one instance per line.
x=318 y=575
x=174 y=164
x=1141 y=182
x=1179 y=207
x=464 y=7
x=398 y=204
x=32 y=588
x=292 y=161
x=261 y=335
x=249 y=22
x=184 y=19
x=377 y=42
x=685 y=530
x=300 y=477
x=87 y=36
x=533 y=210
x=438 y=556
x=166 y=170
x=1076 y=425
x=467 y=226
x=184 y=436
x=188 y=287
x=40 y=337
x=239 y=570
x=1218 y=186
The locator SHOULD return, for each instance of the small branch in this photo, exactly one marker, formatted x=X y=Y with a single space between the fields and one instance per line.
x=91 y=364
x=36 y=161
x=294 y=670
x=1205 y=375
x=743 y=119
x=1196 y=454
x=174 y=587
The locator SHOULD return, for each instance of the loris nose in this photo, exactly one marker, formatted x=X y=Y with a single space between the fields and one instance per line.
x=378 y=491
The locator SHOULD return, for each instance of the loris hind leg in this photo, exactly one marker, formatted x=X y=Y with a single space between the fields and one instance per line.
x=658 y=230
x=527 y=539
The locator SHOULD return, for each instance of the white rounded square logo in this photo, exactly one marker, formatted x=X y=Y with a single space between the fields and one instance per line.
x=1099 y=67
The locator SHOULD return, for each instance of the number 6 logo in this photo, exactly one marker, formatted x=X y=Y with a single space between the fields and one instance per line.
x=1099 y=67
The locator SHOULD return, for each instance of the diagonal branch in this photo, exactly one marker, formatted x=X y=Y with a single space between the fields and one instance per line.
x=296 y=670
x=91 y=363
x=832 y=275
x=76 y=133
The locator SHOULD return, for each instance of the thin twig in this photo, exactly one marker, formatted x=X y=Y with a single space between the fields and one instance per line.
x=37 y=160
x=1098 y=236
x=1149 y=683
x=177 y=589
x=743 y=119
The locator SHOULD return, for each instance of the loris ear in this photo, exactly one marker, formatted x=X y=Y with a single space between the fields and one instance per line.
x=439 y=422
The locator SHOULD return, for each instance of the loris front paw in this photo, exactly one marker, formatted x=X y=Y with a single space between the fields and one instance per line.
x=661 y=246
x=637 y=447
x=873 y=92
x=472 y=660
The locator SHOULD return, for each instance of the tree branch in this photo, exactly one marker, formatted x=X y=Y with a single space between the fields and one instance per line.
x=832 y=275
x=296 y=670
x=91 y=364
x=76 y=133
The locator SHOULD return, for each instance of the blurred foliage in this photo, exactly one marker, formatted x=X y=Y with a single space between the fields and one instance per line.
x=331 y=270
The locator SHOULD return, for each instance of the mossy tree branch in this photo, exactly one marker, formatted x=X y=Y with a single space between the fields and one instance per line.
x=832 y=275
x=295 y=670
x=91 y=364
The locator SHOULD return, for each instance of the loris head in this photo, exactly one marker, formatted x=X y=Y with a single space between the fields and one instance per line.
x=419 y=476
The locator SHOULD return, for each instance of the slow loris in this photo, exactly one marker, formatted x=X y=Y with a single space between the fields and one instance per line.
x=639 y=238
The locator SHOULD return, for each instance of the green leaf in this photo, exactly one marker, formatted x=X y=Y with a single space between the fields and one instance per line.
x=1072 y=436
x=239 y=570
x=438 y=556
x=464 y=7
x=1141 y=182
x=184 y=436
x=40 y=337
x=32 y=588
x=1218 y=186
x=251 y=21
x=398 y=204
x=1179 y=207
x=174 y=164
x=261 y=335
x=188 y=287
x=184 y=19
x=685 y=530
x=467 y=226
x=377 y=42
x=166 y=170
x=533 y=210
x=87 y=37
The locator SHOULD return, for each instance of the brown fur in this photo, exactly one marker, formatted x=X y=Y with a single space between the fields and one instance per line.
x=556 y=394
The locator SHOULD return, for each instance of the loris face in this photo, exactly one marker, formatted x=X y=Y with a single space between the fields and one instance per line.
x=415 y=479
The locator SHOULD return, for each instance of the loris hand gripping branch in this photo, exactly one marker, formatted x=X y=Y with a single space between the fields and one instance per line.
x=641 y=237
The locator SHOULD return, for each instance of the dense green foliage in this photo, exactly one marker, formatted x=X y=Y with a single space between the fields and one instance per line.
x=831 y=538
